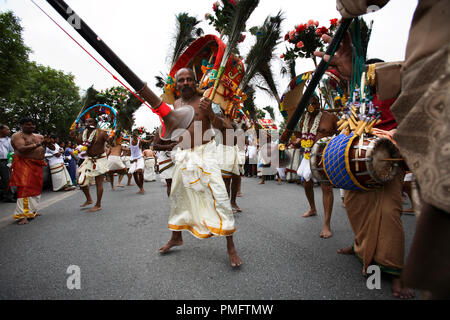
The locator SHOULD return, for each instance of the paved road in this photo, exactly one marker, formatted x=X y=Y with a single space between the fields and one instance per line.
x=116 y=250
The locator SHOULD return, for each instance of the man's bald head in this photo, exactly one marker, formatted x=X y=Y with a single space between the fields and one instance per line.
x=186 y=83
x=185 y=70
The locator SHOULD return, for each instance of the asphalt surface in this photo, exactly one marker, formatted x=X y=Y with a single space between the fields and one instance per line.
x=116 y=250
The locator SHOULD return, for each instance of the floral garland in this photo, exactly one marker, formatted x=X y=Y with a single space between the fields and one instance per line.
x=87 y=142
x=308 y=136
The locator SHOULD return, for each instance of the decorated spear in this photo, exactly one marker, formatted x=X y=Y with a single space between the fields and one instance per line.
x=243 y=10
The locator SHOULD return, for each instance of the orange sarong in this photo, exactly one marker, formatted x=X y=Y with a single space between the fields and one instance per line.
x=27 y=175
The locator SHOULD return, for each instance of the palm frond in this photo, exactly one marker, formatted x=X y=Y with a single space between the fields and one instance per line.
x=242 y=11
x=89 y=98
x=160 y=82
x=233 y=31
x=270 y=111
x=262 y=52
x=289 y=69
x=187 y=31
x=249 y=103
x=265 y=89
x=266 y=73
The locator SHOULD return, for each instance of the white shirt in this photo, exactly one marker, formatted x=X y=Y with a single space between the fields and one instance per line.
x=136 y=152
x=52 y=159
x=5 y=147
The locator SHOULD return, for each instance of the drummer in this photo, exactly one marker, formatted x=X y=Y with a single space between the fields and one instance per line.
x=320 y=124
x=375 y=216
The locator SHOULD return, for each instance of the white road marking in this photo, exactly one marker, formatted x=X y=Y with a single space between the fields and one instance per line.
x=45 y=204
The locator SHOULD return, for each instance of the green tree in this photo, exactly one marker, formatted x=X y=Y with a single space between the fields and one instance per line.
x=13 y=54
x=48 y=96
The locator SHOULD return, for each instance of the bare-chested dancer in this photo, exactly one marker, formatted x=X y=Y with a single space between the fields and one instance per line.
x=165 y=162
x=207 y=213
x=126 y=154
x=26 y=170
x=150 y=162
x=326 y=127
x=137 y=161
x=95 y=165
x=115 y=163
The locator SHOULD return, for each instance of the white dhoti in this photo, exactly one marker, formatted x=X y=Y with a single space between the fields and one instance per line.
x=115 y=163
x=165 y=164
x=230 y=159
x=149 y=171
x=26 y=207
x=304 y=170
x=282 y=173
x=136 y=164
x=126 y=161
x=262 y=170
x=60 y=177
x=198 y=198
x=291 y=170
x=252 y=155
x=91 y=168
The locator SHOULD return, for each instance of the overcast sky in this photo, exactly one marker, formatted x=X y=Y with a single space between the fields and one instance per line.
x=140 y=33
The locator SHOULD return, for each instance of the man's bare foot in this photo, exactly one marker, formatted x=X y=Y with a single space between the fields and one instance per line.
x=95 y=208
x=87 y=203
x=170 y=244
x=236 y=207
x=130 y=185
x=399 y=291
x=235 y=260
x=22 y=221
x=348 y=250
x=326 y=232
x=262 y=182
x=120 y=186
x=141 y=192
x=309 y=213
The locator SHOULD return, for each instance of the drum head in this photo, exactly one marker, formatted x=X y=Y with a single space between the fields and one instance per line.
x=379 y=168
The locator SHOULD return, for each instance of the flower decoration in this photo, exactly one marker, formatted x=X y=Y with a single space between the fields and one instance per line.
x=306 y=38
x=223 y=12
